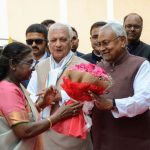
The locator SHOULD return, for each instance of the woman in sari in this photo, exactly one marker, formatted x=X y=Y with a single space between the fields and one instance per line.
x=20 y=125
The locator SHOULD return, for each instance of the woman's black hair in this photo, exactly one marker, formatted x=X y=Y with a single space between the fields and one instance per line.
x=13 y=52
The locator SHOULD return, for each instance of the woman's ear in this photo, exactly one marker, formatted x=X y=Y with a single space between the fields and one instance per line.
x=12 y=64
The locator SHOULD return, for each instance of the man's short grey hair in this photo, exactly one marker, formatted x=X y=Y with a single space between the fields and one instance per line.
x=117 y=28
x=57 y=25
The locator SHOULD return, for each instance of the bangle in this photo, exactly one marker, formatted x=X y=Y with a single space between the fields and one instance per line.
x=114 y=103
x=50 y=122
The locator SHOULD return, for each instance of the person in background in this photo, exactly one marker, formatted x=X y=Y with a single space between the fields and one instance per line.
x=36 y=38
x=47 y=23
x=51 y=72
x=75 y=43
x=20 y=125
x=121 y=117
x=95 y=56
x=133 y=24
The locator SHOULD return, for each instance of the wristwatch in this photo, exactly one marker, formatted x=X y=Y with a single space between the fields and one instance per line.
x=114 y=103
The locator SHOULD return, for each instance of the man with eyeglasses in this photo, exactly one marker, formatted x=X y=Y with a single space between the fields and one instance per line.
x=75 y=43
x=121 y=117
x=133 y=24
x=36 y=38
x=95 y=56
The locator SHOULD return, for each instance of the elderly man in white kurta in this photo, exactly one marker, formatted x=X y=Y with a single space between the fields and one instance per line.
x=50 y=72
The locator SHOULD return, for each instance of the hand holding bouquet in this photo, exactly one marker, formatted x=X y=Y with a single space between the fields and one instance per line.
x=77 y=82
x=82 y=78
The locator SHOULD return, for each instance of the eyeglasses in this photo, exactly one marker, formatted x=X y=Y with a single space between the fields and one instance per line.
x=37 y=41
x=29 y=63
x=136 y=27
x=106 y=43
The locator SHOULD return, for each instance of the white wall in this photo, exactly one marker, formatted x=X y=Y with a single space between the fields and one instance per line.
x=78 y=13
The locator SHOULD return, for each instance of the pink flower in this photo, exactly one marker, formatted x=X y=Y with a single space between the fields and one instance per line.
x=90 y=68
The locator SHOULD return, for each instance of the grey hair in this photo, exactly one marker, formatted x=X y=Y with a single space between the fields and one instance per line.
x=117 y=28
x=61 y=26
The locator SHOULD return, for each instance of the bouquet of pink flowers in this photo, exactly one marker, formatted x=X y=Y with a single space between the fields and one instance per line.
x=77 y=82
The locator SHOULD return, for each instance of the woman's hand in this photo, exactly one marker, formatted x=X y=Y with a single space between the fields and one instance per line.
x=66 y=111
x=32 y=129
x=49 y=96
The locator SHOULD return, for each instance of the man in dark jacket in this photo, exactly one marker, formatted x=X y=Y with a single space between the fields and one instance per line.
x=133 y=24
x=94 y=56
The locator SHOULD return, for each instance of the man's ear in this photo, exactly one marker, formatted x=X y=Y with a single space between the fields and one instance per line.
x=12 y=64
x=123 y=41
x=90 y=38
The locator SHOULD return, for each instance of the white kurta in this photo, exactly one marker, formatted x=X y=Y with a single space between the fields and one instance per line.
x=140 y=101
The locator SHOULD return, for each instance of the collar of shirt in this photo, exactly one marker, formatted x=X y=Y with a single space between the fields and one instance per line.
x=96 y=57
x=42 y=58
x=62 y=63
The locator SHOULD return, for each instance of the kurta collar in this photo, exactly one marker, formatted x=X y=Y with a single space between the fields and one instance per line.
x=119 y=61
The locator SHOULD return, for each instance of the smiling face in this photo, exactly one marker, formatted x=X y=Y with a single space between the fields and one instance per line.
x=59 y=43
x=23 y=69
x=110 y=46
x=133 y=26
x=94 y=39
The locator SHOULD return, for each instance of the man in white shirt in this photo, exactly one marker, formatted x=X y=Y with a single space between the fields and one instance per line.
x=50 y=72
x=121 y=118
x=36 y=38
